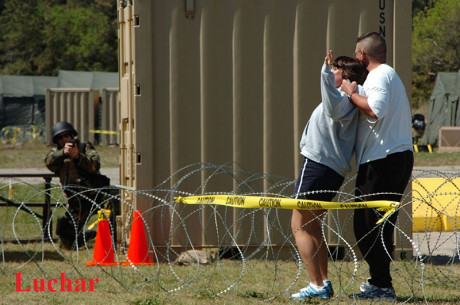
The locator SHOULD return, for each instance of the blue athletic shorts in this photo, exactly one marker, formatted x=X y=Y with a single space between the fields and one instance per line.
x=317 y=177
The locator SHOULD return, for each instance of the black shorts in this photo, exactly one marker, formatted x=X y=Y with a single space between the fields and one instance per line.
x=317 y=177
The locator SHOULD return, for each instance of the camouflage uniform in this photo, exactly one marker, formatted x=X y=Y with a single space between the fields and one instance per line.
x=69 y=170
x=71 y=173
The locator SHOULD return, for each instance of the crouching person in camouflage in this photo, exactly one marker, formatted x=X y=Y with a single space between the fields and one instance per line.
x=74 y=162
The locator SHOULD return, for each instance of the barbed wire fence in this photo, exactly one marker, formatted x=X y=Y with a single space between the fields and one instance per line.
x=236 y=241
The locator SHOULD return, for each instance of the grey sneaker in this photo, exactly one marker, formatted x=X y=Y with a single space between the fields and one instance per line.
x=364 y=286
x=369 y=291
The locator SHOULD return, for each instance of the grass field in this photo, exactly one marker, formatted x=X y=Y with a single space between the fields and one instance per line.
x=222 y=282
x=252 y=281
x=31 y=155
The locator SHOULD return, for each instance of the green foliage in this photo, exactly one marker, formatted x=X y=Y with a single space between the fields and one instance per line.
x=43 y=37
x=78 y=39
x=435 y=45
x=20 y=36
x=421 y=6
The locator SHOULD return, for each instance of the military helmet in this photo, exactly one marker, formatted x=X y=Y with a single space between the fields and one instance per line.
x=61 y=127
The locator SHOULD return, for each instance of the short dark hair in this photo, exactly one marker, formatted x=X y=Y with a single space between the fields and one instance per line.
x=352 y=69
x=374 y=46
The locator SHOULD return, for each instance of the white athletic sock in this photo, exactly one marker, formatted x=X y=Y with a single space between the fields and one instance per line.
x=316 y=287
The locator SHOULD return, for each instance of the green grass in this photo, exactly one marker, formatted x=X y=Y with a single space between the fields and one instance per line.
x=251 y=282
x=24 y=222
x=437 y=159
x=32 y=155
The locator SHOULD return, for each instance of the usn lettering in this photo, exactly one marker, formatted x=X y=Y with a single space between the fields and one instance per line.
x=382 y=28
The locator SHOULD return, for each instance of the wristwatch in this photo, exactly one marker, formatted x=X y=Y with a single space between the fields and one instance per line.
x=351 y=93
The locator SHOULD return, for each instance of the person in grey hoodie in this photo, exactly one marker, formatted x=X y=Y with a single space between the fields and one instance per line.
x=327 y=144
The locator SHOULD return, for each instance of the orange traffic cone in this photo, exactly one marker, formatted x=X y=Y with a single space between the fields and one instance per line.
x=103 y=254
x=137 y=251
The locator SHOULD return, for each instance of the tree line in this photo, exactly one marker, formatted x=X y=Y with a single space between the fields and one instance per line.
x=41 y=37
x=435 y=44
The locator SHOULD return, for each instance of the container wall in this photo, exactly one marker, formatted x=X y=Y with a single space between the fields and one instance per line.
x=76 y=106
x=109 y=117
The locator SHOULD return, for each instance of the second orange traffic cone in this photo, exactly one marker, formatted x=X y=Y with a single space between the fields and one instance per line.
x=103 y=254
x=138 y=251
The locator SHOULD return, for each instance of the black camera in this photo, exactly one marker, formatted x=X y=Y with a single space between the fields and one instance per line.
x=73 y=141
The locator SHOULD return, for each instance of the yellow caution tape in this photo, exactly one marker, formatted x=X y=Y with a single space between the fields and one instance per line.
x=103 y=131
x=101 y=215
x=254 y=202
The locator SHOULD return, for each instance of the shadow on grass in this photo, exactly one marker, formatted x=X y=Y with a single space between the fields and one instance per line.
x=428 y=300
x=21 y=256
x=441 y=259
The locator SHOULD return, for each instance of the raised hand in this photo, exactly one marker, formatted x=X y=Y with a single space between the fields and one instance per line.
x=329 y=58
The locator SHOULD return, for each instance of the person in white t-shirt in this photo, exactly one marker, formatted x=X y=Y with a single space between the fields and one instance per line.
x=384 y=154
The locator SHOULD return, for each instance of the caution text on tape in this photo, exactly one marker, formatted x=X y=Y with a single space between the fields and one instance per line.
x=254 y=202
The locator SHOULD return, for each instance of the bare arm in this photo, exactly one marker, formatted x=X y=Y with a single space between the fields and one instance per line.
x=359 y=100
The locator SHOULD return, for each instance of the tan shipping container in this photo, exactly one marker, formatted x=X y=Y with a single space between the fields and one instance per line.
x=77 y=106
x=218 y=81
x=110 y=116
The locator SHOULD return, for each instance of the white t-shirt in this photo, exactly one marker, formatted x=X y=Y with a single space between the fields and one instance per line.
x=392 y=131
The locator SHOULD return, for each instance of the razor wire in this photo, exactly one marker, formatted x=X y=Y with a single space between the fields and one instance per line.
x=231 y=243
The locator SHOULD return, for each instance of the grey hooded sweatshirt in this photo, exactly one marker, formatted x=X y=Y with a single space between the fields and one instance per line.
x=329 y=136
